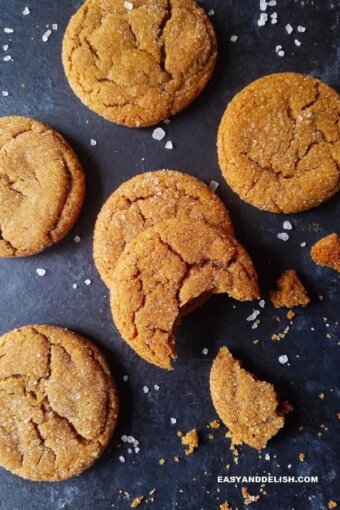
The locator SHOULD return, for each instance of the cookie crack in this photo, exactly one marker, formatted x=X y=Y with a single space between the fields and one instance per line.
x=8 y=243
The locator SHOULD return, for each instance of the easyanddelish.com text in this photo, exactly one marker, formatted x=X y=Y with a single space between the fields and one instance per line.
x=268 y=479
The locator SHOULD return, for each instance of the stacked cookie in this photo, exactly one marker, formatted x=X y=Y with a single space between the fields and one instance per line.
x=163 y=243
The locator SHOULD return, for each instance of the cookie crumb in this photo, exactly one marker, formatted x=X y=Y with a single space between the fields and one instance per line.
x=162 y=462
x=137 y=501
x=225 y=506
x=176 y=459
x=302 y=457
x=332 y=504
x=248 y=499
x=290 y=291
x=326 y=252
x=215 y=424
x=190 y=439
x=321 y=396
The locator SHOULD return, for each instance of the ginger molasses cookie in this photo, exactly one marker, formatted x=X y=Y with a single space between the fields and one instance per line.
x=137 y=63
x=165 y=272
x=144 y=201
x=59 y=404
x=279 y=143
x=42 y=187
x=248 y=407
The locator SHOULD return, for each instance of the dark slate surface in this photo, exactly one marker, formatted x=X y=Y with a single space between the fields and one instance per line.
x=38 y=88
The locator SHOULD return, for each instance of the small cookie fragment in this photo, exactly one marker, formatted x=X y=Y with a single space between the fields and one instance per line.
x=138 y=63
x=190 y=439
x=225 y=506
x=59 y=404
x=248 y=407
x=248 y=499
x=289 y=291
x=42 y=187
x=332 y=504
x=326 y=252
x=137 y=501
x=166 y=272
x=146 y=200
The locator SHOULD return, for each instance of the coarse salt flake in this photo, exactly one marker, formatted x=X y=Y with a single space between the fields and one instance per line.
x=287 y=225
x=255 y=325
x=122 y=459
x=272 y=3
x=233 y=38
x=26 y=11
x=262 y=303
x=281 y=53
x=278 y=47
x=158 y=134
x=297 y=42
x=41 y=271
x=46 y=35
x=262 y=19
x=128 y=6
x=253 y=316
x=263 y=5
x=74 y=286
x=205 y=351
x=301 y=29
x=88 y=281
x=125 y=378
x=76 y=239
x=5 y=93
x=55 y=26
x=303 y=244
x=267 y=456
x=289 y=28
x=156 y=387
x=211 y=12
x=7 y=58
x=213 y=186
x=169 y=145
x=8 y=30
x=283 y=359
x=173 y=421
x=5 y=47
x=283 y=236
x=93 y=142
x=145 y=389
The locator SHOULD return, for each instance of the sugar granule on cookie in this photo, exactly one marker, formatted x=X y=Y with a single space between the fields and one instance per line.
x=146 y=200
x=326 y=252
x=167 y=271
x=289 y=291
x=190 y=439
x=138 y=63
x=279 y=145
x=59 y=404
x=248 y=407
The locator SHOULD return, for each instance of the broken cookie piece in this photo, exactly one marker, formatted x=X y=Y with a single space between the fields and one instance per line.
x=190 y=439
x=248 y=407
x=326 y=252
x=289 y=291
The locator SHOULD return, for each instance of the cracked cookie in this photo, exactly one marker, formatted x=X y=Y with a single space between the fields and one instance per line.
x=144 y=201
x=59 y=404
x=326 y=252
x=165 y=272
x=248 y=407
x=42 y=187
x=140 y=63
x=289 y=291
x=279 y=143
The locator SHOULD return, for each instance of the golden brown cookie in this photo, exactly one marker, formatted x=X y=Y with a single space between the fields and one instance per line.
x=42 y=187
x=248 y=407
x=289 y=291
x=59 y=404
x=326 y=252
x=144 y=201
x=137 y=63
x=165 y=272
x=279 y=143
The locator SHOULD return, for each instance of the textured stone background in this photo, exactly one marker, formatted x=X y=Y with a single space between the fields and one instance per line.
x=37 y=87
